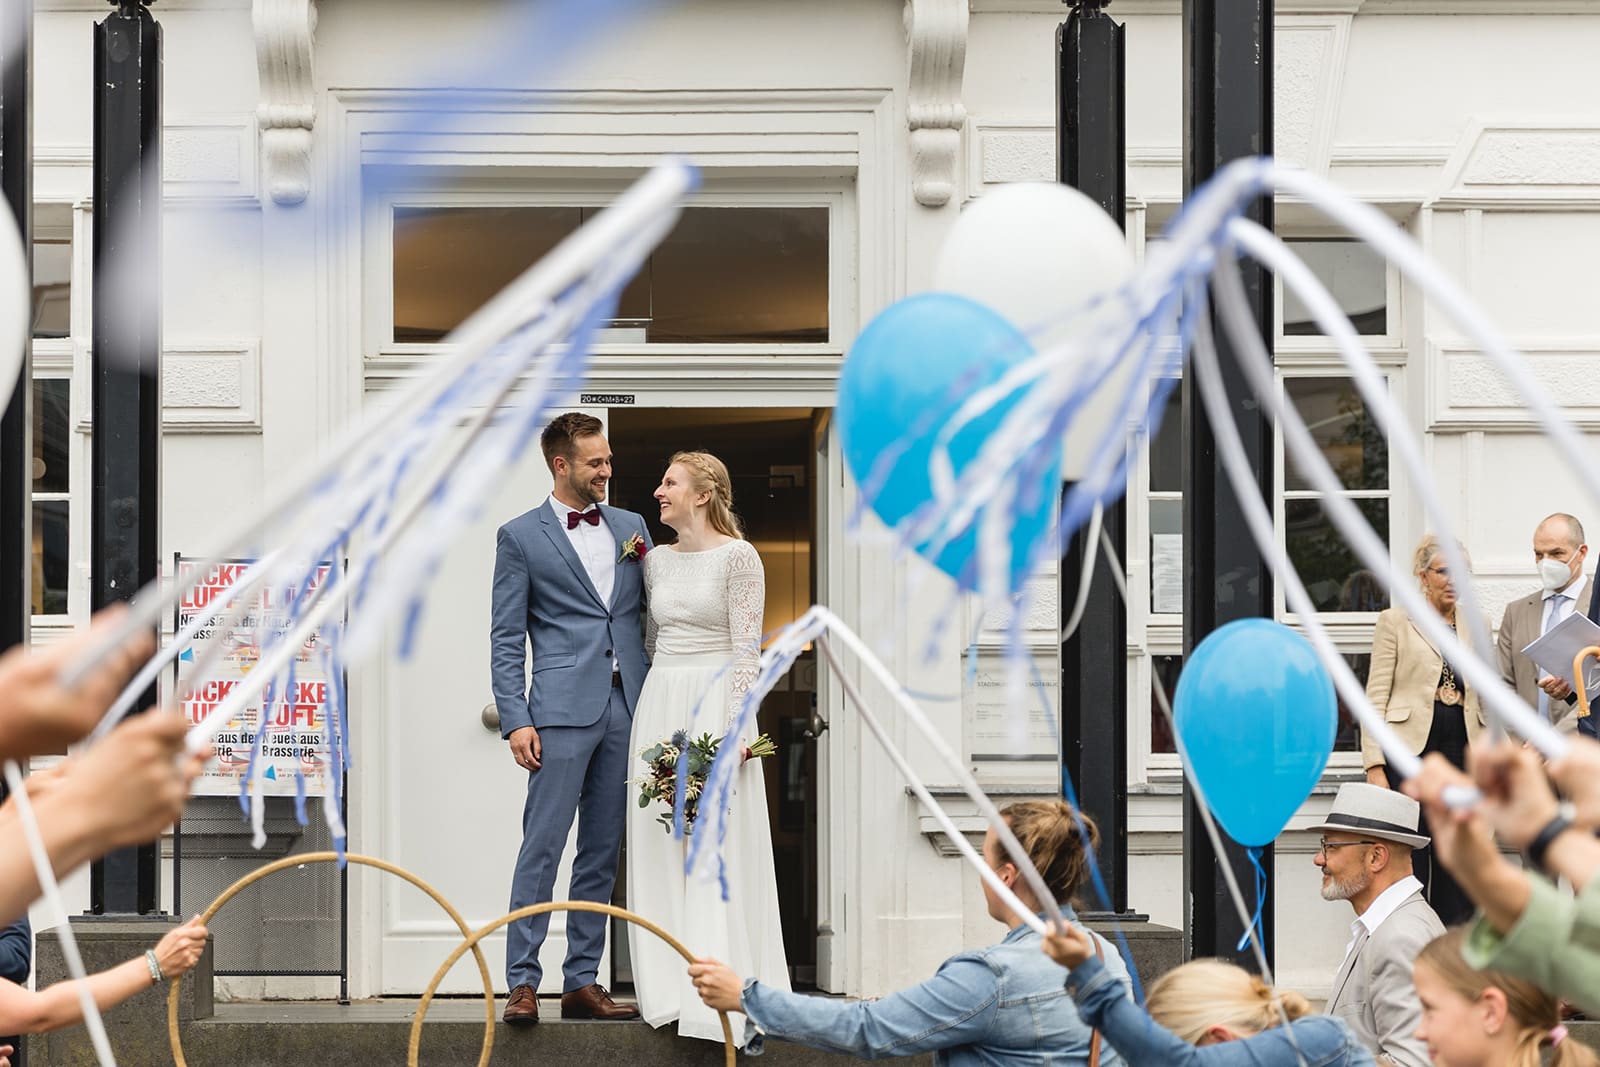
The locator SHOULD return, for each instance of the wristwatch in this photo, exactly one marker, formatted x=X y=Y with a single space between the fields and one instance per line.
x=1559 y=824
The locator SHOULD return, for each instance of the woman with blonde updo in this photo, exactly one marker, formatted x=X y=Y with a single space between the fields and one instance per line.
x=1204 y=1014
x=706 y=595
x=1430 y=706
x=1473 y=1018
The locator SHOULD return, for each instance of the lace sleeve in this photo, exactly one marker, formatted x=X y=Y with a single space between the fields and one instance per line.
x=649 y=605
x=747 y=596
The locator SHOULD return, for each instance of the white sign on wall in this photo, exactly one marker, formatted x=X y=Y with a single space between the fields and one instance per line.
x=294 y=743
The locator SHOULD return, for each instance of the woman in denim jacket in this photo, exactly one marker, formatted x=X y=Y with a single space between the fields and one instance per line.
x=1001 y=1005
x=1219 y=1015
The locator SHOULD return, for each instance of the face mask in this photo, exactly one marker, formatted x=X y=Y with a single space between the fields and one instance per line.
x=1554 y=574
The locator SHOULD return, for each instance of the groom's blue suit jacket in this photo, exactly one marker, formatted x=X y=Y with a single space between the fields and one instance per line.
x=543 y=594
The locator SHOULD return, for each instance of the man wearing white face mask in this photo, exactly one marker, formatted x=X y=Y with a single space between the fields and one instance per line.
x=1558 y=552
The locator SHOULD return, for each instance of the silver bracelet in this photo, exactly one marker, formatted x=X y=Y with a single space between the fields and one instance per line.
x=156 y=977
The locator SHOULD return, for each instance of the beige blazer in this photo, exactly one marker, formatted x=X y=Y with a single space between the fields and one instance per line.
x=1402 y=682
x=1519 y=627
x=1373 y=992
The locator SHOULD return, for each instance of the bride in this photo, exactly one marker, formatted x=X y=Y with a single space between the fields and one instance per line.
x=706 y=594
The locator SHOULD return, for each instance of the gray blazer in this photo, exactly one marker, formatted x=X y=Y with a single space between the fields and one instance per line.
x=1373 y=992
x=543 y=596
x=1519 y=627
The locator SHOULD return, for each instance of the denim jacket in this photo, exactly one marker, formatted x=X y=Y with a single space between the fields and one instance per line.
x=1002 y=1006
x=1311 y=1041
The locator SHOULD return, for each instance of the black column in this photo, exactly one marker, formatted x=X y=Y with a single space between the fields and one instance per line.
x=16 y=424
x=1091 y=157
x=126 y=459
x=1227 y=103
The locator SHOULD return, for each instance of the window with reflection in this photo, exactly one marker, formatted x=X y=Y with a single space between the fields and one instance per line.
x=723 y=275
x=1164 y=671
x=52 y=439
x=1166 y=508
x=52 y=289
x=1354 y=447
x=1164 y=674
x=1355 y=275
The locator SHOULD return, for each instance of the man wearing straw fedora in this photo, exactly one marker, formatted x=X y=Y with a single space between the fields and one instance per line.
x=1365 y=857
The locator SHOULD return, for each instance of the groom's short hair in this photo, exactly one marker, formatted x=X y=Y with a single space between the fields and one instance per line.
x=563 y=430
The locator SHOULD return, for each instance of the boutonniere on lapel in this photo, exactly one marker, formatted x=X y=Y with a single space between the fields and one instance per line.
x=633 y=548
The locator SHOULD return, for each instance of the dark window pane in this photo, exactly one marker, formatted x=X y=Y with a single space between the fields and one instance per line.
x=52 y=288
x=52 y=434
x=1331 y=573
x=722 y=275
x=1164 y=675
x=1348 y=739
x=1356 y=276
x=742 y=274
x=448 y=262
x=50 y=556
x=1164 y=671
x=1166 y=447
x=1345 y=431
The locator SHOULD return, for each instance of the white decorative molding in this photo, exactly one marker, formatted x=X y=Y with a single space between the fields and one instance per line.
x=937 y=34
x=212 y=388
x=1309 y=61
x=1526 y=160
x=801 y=377
x=1014 y=154
x=288 y=111
x=209 y=159
x=1470 y=393
x=1383 y=155
x=1535 y=157
x=1043 y=593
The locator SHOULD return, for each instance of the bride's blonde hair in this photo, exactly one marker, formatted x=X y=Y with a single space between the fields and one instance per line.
x=1197 y=996
x=708 y=474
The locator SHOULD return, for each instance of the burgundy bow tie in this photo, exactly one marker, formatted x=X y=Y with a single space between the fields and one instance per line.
x=592 y=517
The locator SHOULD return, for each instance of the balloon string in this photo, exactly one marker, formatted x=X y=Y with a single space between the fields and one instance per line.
x=1254 y=852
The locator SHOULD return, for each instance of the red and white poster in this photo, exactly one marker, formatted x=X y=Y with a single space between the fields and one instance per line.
x=296 y=739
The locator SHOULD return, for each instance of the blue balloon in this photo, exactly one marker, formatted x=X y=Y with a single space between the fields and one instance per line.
x=1255 y=709
x=907 y=374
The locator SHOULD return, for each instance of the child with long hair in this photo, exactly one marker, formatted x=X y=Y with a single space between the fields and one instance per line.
x=1473 y=1018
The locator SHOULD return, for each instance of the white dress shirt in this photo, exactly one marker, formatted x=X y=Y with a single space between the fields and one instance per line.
x=1557 y=606
x=1382 y=908
x=596 y=548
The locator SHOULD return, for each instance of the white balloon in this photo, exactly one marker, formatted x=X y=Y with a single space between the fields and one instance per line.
x=1034 y=251
x=15 y=305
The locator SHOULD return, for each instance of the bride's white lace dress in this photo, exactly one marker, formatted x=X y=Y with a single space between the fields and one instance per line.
x=705 y=611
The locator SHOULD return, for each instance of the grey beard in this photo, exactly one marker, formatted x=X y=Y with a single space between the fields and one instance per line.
x=1334 y=889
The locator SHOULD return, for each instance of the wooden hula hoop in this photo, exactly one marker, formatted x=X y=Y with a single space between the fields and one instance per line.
x=473 y=938
x=364 y=861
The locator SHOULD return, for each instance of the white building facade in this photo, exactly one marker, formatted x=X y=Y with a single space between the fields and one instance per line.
x=324 y=227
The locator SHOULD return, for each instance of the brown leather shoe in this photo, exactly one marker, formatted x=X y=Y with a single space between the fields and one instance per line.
x=522 y=1007
x=593 y=1002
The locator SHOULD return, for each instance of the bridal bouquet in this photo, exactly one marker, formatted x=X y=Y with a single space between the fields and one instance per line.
x=660 y=781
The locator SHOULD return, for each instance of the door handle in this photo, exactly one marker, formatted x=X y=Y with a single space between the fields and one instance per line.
x=490 y=717
x=815 y=728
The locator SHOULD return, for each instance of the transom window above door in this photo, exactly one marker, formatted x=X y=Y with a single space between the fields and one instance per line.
x=724 y=275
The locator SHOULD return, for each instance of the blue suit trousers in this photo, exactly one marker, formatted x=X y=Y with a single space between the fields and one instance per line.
x=587 y=764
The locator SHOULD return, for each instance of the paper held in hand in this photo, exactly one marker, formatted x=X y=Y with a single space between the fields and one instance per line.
x=1555 y=650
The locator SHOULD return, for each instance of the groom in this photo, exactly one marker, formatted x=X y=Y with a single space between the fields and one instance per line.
x=567 y=578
